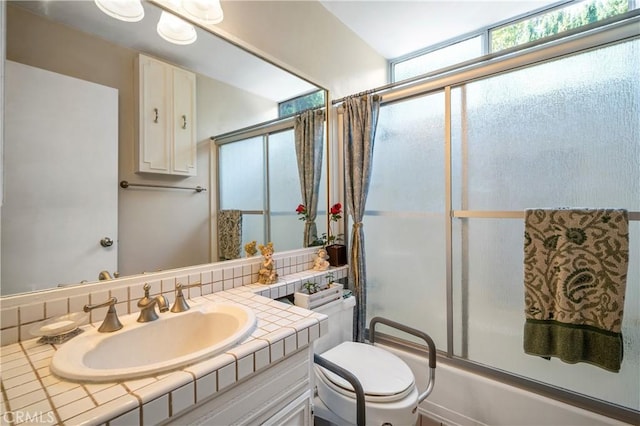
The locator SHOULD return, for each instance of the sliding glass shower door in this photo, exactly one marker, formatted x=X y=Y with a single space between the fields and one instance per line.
x=558 y=133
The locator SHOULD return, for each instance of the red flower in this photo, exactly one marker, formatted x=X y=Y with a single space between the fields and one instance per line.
x=334 y=215
x=302 y=212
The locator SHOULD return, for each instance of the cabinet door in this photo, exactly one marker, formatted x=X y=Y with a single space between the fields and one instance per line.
x=155 y=117
x=297 y=413
x=184 y=122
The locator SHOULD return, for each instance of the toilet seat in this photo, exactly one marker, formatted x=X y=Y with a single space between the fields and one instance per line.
x=384 y=376
x=391 y=395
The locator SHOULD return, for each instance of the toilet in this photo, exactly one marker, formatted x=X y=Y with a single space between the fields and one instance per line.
x=390 y=392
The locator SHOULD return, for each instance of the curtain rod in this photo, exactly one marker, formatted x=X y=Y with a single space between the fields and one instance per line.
x=267 y=123
x=513 y=51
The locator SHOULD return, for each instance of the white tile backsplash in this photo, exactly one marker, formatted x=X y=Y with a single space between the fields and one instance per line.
x=226 y=376
x=206 y=386
x=9 y=317
x=283 y=329
x=182 y=398
x=31 y=313
x=156 y=411
x=127 y=419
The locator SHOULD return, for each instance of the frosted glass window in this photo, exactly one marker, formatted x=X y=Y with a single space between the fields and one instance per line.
x=287 y=230
x=284 y=191
x=404 y=218
x=251 y=183
x=408 y=156
x=252 y=229
x=563 y=133
x=494 y=316
x=242 y=175
x=286 y=233
x=437 y=59
x=284 y=183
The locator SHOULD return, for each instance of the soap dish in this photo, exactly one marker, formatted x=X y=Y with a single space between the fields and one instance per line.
x=60 y=338
x=59 y=329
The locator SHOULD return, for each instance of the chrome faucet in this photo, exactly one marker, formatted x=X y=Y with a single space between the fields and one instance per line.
x=147 y=305
x=180 y=305
x=111 y=321
x=106 y=276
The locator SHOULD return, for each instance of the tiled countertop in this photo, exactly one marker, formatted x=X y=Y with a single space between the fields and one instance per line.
x=32 y=394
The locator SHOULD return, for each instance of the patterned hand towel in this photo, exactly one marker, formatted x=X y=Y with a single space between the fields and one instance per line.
x=229 y=234
x=575 y=273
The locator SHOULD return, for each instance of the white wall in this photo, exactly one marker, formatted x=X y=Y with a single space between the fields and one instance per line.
x=310 y=40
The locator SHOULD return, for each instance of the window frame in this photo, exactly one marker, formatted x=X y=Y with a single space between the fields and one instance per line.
x=486 y=34
x=600 y=34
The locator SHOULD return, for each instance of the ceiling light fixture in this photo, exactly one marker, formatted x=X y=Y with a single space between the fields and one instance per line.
x=206 y=11
x=124 y=10
x=176 y=30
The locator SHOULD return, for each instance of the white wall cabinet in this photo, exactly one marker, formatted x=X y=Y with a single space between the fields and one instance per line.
x=166 y=123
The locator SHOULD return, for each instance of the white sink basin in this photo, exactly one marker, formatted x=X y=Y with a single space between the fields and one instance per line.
x=142 y=349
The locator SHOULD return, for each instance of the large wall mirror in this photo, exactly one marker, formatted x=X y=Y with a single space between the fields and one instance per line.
x=150 y=229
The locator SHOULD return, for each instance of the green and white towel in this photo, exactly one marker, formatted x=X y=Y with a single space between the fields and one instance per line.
x=575 y=273
x=229 y=234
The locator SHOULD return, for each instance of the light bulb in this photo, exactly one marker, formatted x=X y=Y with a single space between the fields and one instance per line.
x=205 y=11
x=176 y=30
x=124 y=10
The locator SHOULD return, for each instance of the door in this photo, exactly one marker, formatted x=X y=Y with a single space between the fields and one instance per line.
x=60 y=179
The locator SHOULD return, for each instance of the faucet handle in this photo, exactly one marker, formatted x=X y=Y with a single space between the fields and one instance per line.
x=180 y=304
x=111 y=321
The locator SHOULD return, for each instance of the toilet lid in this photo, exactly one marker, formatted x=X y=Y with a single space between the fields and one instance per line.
x=380 y=372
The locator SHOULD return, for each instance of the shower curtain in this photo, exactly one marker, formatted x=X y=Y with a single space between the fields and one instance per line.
x=309 y=134
x=359 y=130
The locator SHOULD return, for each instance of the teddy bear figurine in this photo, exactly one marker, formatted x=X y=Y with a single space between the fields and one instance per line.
x=267 y=273
x=250 y=249
x=320 y=263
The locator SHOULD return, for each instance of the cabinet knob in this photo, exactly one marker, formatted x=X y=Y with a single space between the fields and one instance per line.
x=106 y=242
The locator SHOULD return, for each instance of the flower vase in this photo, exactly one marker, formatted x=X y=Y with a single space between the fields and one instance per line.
x=337 y=254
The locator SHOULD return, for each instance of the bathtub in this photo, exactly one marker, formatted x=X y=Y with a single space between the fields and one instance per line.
x=467 y=399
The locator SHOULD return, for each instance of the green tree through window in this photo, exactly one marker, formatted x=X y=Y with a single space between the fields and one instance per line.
x=301 y=103
x=555 y=22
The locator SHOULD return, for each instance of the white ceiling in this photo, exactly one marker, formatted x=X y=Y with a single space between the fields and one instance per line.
x=392 y=27
x=397 y=27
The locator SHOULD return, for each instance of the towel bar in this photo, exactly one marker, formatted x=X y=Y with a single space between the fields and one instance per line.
x=125 y=184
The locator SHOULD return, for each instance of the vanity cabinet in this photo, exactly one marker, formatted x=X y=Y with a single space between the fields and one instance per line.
x=166 y=119
x=279 y=395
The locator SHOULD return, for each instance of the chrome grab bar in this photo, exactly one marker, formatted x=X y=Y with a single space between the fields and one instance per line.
x=424 y=336
x=349 y=377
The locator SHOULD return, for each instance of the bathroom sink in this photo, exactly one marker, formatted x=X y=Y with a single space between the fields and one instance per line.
x=141 y=349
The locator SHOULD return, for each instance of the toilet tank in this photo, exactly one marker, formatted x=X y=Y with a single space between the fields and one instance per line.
x=340 y=313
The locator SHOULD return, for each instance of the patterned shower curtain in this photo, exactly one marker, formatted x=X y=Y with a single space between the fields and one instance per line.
x=309 y=134
x=359 y=129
